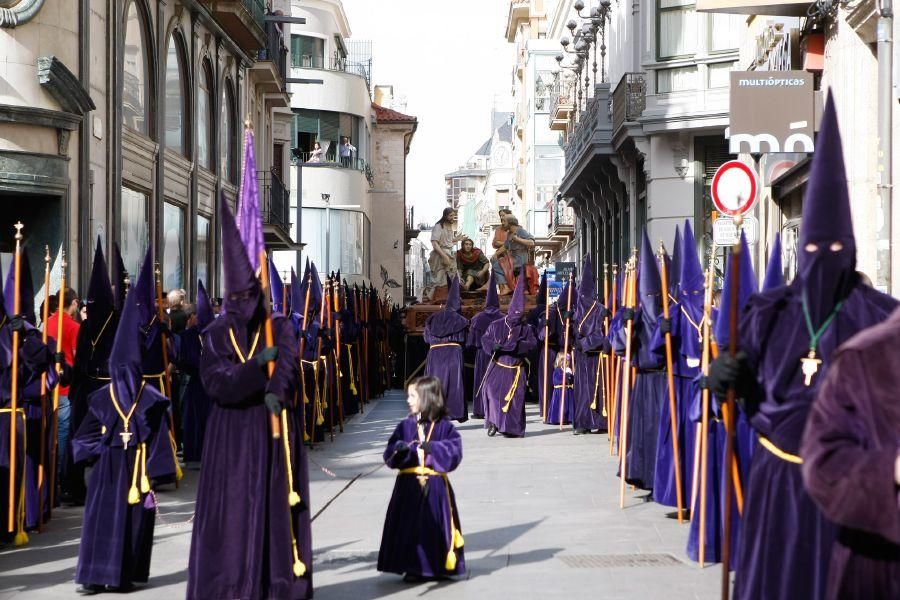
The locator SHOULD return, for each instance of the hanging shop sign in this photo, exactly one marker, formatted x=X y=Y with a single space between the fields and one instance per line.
x=771 y=111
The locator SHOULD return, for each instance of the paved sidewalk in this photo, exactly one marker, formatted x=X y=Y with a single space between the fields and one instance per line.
x=540 y=517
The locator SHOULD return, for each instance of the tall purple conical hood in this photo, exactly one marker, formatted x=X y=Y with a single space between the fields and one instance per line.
x=118 y=277
x=249 y=220
x=315 y=290
x=826 y=276
x=454 y=302
x=747 y=287
x=516 y=310
x=691 y=278
x=26 y=289
x=242 y=288
x=774 y=270
x=99 y=299
x=276 y=288
x=492 y=300
x=649 y=282
x=125 y=358
x=587 y=287
x=204 y=306
x=298 y=292
x=674 y=271
x=542 y=290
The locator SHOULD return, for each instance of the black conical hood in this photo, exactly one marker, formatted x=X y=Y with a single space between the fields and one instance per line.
x=205 y=314
x=99 y=299
x=242 y=288
x=118 y=277
x=125 y=359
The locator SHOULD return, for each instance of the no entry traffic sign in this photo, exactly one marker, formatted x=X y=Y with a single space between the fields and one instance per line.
x=734 y=188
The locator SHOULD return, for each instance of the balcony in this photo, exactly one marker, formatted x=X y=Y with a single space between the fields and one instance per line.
x=561 y=105
x=629 y=100
x=275 y=210
x=243 y=20
x=562 y=222
x=412 y=231
x=340 y=64
x=519 y=10
x=330 y=159
x=269 y=73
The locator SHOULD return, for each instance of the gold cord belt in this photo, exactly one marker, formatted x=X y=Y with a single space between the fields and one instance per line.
x=785 y=456
x=445 y=344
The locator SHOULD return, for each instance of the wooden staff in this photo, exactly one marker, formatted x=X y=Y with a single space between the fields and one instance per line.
x=14 y=389
x=613 y=383
x=274 y=420
x=735 y=469
x=673 y=419
x=318 y=413
x=337 y=352
x=729 y=411
x=704 y=418
x=544 y=392
x=45 y=314
x=284 y=297
x=566 y=327
x=304 y=322
x=167 y=376
x=60 y=306
x=605 y=358
x=327 y=322
x=630 y=272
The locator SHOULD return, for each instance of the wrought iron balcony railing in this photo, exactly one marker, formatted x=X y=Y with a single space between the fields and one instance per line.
x=275 y=50
x=275 y=201
x=629 y=99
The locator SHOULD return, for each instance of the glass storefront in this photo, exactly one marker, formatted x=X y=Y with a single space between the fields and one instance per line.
x=340 y=241
x=203 y=248
x=173 y=254
x=135 y=228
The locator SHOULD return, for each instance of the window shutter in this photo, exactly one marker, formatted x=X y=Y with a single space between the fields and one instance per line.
x=329 y=126
x=306 y=121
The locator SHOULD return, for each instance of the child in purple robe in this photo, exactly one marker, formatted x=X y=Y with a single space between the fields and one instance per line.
x=555 y=405
x=422 y=537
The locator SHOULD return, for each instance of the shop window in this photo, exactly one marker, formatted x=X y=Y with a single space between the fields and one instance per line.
x=173 y=254
x=135 y=229
x=203 y=248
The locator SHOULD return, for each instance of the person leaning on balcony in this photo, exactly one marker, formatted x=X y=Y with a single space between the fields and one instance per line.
x=315 y=156
x=441 y=261
x=517 y=246
x=472 y=264
x=346 y=150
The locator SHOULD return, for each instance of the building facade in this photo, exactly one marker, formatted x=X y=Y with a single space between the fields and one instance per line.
x=122 y=120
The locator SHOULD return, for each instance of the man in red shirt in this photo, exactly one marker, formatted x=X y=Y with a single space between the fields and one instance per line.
x=67 y=348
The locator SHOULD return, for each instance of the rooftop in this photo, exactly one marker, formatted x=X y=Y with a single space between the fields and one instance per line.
x=386 y=115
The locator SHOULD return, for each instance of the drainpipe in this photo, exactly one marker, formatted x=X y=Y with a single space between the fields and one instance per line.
x=885 y=107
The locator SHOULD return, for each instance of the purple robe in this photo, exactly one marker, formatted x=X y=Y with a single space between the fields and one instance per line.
x=420 y=521
x=589 y=409
x=162 y=465
x=685 y=370
x=445 y=332
x=242 y=539
x=116 y=536
x=477 y=328
x=195 y=403
x=506 y=377
x=554 y=407
x=776 y=506
x=850 y=447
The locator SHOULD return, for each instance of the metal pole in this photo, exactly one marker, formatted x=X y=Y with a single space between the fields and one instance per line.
x=885 y=106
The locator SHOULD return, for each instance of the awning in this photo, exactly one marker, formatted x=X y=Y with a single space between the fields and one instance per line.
x=782 y=8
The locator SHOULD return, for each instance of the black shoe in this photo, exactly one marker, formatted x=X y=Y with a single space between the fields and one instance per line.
x=492 y=431
x=581 y=431
x=410 y=578
x=89 y=589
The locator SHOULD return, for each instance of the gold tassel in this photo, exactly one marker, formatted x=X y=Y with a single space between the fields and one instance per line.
x=299 y=568
x=133 y=495
x=145 y=481
x=293 y=496
x=512 y=390
x=21 y=537
x=458 y=540
x=450 y=563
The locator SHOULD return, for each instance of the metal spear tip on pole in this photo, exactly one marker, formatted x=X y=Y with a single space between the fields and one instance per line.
x=18 y=226
x=47 y=254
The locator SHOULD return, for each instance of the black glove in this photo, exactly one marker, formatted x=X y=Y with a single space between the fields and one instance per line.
x=59 y=358
x=665 y=325
x=627 y=314
x=604 y=312
x=273 y=403
x=401 y=450
x=727 y=371
x=266 y=355
x=17 y=323
x=425 y=446
x=325 y=332
x=337 y=316
x=497 y=348
x=566 y=314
